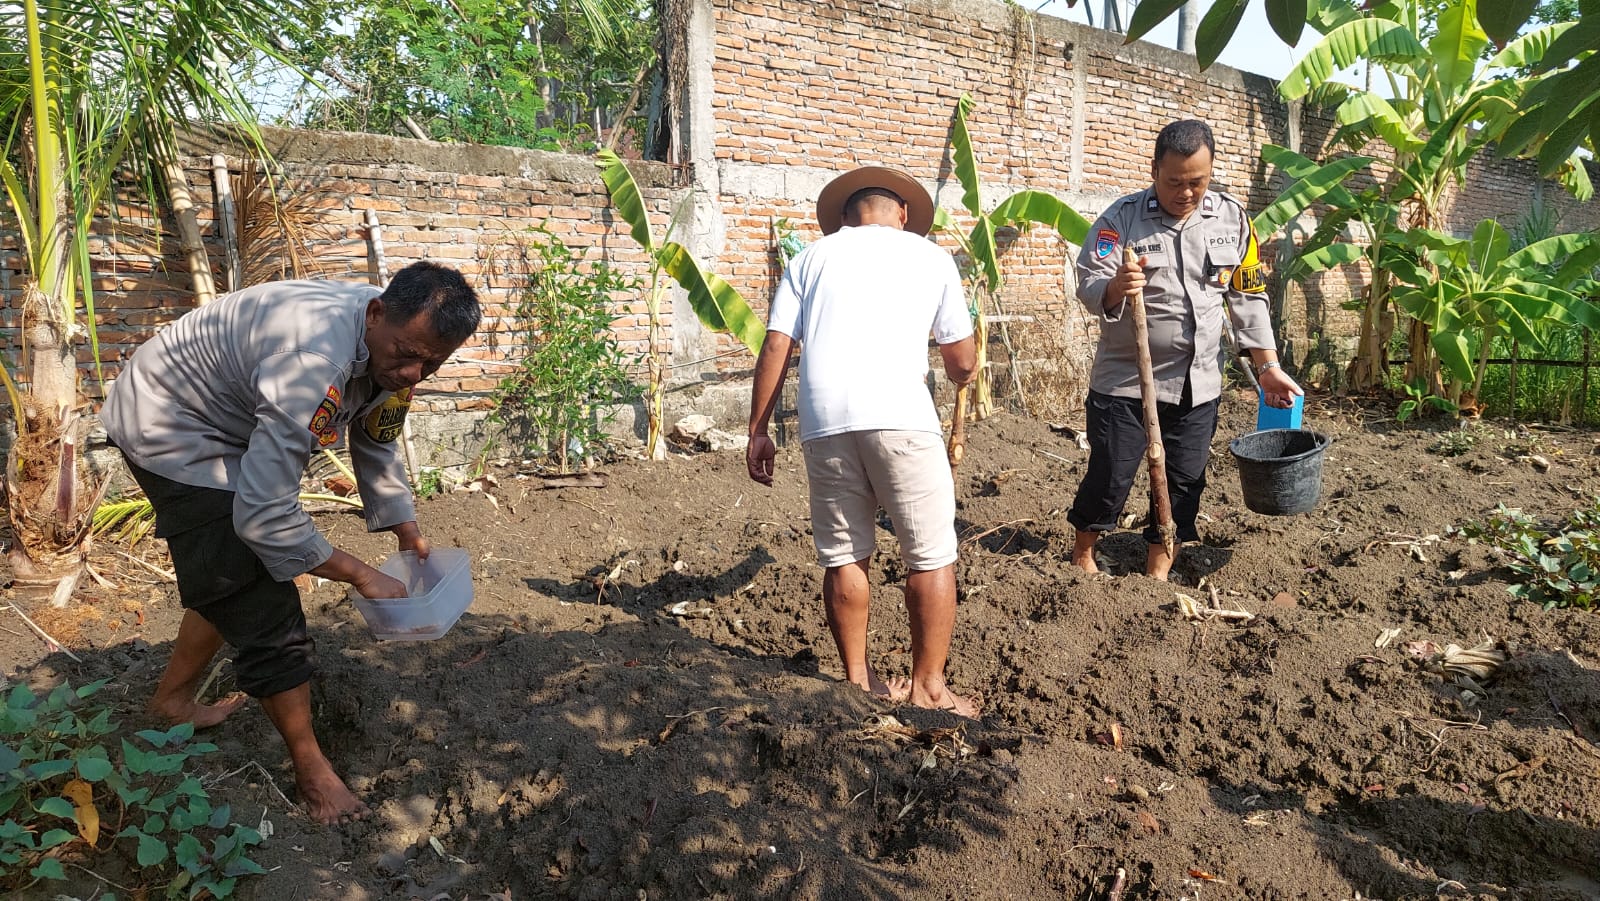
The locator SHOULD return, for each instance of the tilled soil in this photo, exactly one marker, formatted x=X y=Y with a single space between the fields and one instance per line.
x=644 y=702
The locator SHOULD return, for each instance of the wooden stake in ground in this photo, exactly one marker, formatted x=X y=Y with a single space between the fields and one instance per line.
x=1155 y=453
x=957 y=446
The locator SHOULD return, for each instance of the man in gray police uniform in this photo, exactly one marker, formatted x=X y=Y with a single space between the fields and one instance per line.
x=218 y=415
x=1196 y=250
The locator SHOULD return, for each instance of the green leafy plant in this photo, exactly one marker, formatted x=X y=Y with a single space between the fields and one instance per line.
x=573 y=374
x=786 y=240
x=1418 y=401
x=1455 y=442
x=1557 y=566
x=719 y=306
x=430 y=481
x=60 y=783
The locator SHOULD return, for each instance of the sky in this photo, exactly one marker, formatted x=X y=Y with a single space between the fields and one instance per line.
x=1255 y=46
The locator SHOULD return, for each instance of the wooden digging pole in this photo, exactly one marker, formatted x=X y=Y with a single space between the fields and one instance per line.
x=1155 y=453
x=957 y=445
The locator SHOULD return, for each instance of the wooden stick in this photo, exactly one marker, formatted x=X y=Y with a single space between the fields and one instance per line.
x=957 y=447
x=227 y=222
x=1156 y=453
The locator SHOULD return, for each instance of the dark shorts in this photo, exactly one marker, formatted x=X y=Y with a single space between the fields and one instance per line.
x=1117 y=442
x=222 y=580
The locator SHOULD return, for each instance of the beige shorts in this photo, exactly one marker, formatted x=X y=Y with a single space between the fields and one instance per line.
x=907 y=473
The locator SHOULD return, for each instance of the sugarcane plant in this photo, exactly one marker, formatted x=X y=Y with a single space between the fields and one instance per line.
x=979 y=245
x=719 y=306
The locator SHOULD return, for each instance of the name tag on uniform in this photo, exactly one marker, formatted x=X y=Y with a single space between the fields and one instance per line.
x=1152 y=250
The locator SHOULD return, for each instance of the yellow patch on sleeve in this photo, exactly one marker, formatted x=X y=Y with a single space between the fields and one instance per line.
x=1251 y=276
x=386 y=422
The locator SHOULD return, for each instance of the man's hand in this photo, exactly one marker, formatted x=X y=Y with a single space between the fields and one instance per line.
x=1129 y=279
x=759 y=456
x=410 y=539
x=1277 y=388
x=373 y=584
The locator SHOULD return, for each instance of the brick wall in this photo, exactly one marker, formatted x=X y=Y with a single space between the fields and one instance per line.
x=465 y=207
x=783 y=97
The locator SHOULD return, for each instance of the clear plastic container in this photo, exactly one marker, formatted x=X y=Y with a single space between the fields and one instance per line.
x=440 y=591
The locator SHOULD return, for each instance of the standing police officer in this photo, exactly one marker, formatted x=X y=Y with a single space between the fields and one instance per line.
x=1197 y=262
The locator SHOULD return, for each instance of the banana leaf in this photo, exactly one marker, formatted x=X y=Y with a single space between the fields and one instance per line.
x=1148 y=15
x=1372 y=39
x=1457 y=45
x=1216 y=29
x=1584 y=35
x=964 y=160
x=1288 y=19
x=1366 y=112
x=1491 y=244
x=1045 y=209
x=1327 y=257
x=1525 y=51
x=626 y=200
x=1502 y=19
x=1551 y=250
x=718 y=304
x=1306 y=190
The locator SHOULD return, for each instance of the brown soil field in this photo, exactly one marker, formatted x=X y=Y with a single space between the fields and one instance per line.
x=644 y=702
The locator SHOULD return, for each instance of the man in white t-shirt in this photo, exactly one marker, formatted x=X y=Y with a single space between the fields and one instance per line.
x=862 y=301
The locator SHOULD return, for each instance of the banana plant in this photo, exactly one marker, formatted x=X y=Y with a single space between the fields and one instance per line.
x=1443 y=108
x=718 y=304
x=1474 y=290
x=1020 y=210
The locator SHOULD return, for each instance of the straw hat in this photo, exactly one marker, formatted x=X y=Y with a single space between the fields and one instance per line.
x=919 y=206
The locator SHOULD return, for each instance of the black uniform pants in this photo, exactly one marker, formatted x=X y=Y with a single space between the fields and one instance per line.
x=1117 y=444
x=222 y=580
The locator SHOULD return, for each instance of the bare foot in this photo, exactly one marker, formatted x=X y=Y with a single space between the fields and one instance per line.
x=327 y=799
x=1157 y=562
x=204 y=716
x=897 y=689
x=1083 y=550
x=944 y=699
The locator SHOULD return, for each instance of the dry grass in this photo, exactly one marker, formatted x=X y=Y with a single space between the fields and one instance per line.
x=1053 y=359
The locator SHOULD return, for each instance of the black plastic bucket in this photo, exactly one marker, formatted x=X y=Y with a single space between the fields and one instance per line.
x=1280 y=470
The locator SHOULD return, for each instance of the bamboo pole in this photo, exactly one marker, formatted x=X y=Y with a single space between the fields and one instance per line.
x=189 y=240
x=1155 y=452
x=227 y=222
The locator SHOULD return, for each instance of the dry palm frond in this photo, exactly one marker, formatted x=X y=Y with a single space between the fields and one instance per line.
x=278 y=236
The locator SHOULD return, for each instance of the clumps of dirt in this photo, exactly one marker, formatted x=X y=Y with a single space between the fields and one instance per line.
x=644 y=697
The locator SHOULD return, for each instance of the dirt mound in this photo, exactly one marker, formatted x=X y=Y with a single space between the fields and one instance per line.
x=644 y=700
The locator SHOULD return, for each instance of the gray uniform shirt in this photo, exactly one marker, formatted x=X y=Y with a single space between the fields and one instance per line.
x=1192 y=267
x=238 y=394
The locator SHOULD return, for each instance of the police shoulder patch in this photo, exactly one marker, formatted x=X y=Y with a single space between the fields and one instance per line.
x=1105 y=241
x=321 y=423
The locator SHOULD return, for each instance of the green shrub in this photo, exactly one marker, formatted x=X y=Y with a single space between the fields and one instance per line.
x=60 y=782
x=1557 y=566
x=573 y=376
